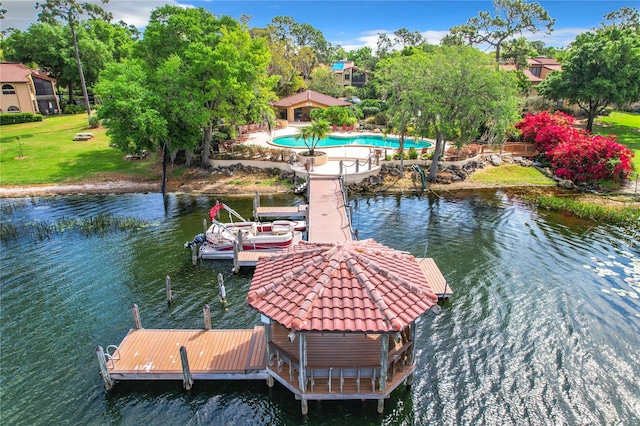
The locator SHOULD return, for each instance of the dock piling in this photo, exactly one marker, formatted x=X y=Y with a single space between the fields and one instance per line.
x=194 y=254
x=207 y=317
x=187 y=380
x=256 y=206
x=167 y=283
x=223 y=291
x=104 y=371
x=136 y=317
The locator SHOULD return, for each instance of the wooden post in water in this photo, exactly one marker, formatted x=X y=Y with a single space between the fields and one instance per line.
x=207 y=317
x=236 y=265
x=256 y=206
x=302 y=356
x=223 y=291
x=384 y=361
x=237 y=248
x=104 y=371
x=167 y=283
x=194 y=254
x=187 y=380
x=412 y=353
x=136 y=317
x=204 y=226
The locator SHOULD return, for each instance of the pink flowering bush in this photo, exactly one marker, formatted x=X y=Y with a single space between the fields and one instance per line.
x=575 y=154
x=590 y=159
x=532 y=124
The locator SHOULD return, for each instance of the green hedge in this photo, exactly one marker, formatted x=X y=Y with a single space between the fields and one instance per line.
x=19 y=117
x=73 y=109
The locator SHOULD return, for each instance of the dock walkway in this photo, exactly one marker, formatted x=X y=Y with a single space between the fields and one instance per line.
x=327 y=220
x=212 y=354
x=435 y=278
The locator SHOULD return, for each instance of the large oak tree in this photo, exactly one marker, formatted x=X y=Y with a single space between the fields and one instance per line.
x=454 y=92
x=602 y=68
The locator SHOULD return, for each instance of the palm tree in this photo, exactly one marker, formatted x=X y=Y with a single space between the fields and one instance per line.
x=311 y=135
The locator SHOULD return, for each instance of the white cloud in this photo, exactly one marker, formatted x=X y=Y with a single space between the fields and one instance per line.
x=558 y=38
x=22 y=13
x=370 y=38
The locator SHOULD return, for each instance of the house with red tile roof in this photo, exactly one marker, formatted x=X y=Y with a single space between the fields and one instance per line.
x=24 y=90
x=298 y=107
x=539 y=69
x=340 y=318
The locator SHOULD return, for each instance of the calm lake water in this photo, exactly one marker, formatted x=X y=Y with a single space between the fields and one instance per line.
x=543 y=328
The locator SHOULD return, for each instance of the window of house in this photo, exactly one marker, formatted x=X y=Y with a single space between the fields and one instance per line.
x=560 y=102
x=535 y=71
x=8 y=89
x=346 y=76
x=13 y=108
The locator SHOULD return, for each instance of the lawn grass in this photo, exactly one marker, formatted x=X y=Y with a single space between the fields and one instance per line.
x=626 y=127
x=45 y=152
x=510 y=175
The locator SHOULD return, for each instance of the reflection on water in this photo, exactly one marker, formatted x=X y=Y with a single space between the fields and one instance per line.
x=543 y=327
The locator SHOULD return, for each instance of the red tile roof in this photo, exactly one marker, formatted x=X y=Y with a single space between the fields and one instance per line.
x=532 y=78
x=543 y=60
x=13 y=72
x=359 y=286
x=310 y=95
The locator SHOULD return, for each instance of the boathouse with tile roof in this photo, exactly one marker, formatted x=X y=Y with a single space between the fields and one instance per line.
x=298 y=107
x=340 y=318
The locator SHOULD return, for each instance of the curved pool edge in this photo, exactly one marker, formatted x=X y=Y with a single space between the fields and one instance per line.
x=423 y=143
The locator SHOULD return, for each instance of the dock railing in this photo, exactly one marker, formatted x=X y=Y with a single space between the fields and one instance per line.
x=348 y=207
x=344 y=166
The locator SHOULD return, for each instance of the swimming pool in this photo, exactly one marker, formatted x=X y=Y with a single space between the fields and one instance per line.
x=375 y=141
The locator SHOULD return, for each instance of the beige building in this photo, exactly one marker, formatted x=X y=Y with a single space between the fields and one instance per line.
x=539 y=69
x=24 y=90
x=347 y=74
x=298 y=107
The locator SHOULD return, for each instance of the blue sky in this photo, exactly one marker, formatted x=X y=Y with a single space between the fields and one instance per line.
x=353 y=24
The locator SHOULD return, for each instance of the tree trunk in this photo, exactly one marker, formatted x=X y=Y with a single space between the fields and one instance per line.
x=433 y=170
x=82 y=82
x=164 y=168
x=401 y=152
x=70 y=89
x=590 y=118
x=206 y=145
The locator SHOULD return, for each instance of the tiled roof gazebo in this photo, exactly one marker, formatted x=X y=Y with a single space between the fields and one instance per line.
x=340 y=318
x=298 y=107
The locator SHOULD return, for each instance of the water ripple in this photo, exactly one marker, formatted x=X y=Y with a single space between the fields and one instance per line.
x=543 y=327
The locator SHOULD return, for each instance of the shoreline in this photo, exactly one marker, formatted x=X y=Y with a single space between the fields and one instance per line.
x=131 y=187
x=247 y=184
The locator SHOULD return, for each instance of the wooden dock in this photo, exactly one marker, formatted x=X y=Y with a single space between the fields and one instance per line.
x=290 y=212
x=212 y=355
x=435 y=278
x=327 y=220
x=250 y=257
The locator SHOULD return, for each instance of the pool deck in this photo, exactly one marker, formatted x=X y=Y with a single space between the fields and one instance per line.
x=338 y=153
x=346 y=154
